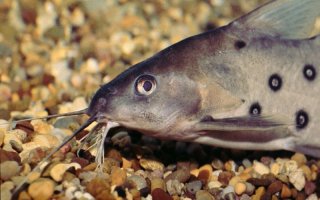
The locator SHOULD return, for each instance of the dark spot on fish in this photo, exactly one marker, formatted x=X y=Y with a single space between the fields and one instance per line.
x=239 y=44
x=207 y=118
x=302 y=119
x=255 y=109
x=275 y=82
x=309 y=72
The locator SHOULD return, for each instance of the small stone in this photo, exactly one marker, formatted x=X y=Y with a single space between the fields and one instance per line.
x=245 y=197
x=194 y=186
x=285 y=192
x=299 y=158
x=240 y=188
x=81 y=161
x=99 y=188
x=274 y=187
x=9 y=156
x=249 y=188
x=182 y=175
x=217 y=164
x=24 y=196
x=224 y=177
x=259 y=181
x=275 y=168
x=312 y=197
x=16 y=146
x=203 y=195
x=174 y=187
x=58 y=170
x=214 y=184
x=310 y=187
x=301 y=196
x=118 y=176
x=259 y=192
x=8 y=169
x=157 y=183
x=307 y=172
x=205 y=173
x=159 y=194
x=138 y=181
x=247 y=163
x=260 y=168
x=297 y=179
x=41 y=189
x=152 y=165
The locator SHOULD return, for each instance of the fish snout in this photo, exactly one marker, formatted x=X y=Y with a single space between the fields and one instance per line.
x=99 y=102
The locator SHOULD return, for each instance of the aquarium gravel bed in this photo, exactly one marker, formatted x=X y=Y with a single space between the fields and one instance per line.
x=55 y=54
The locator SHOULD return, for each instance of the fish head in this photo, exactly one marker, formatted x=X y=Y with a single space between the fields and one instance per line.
x=153 y=96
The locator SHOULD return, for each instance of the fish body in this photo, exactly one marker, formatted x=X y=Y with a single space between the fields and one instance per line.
x=253 y=84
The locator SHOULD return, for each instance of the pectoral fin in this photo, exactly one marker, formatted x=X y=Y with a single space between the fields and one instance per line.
x=244 y=129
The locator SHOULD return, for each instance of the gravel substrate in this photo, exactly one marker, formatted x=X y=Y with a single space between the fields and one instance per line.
x=55 y=54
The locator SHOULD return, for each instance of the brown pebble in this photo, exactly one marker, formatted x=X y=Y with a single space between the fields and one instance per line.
x=285 y=192
x=274 y=187
x=97 y=186
x=118 y=176
x=224 y=177
x=182 y=175
x=151 y=165
x=259 y=182
x=26 y=126
x=310 y=187
x=115 y=154
x=41 y=189
x=205 y=173
x=301 y=196
x=9 y=156
x=81 y=161
x=159 y=194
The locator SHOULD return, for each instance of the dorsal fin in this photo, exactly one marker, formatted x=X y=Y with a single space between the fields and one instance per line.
x=290 y=19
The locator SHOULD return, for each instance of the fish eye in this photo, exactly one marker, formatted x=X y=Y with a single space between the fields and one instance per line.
x=145 y=85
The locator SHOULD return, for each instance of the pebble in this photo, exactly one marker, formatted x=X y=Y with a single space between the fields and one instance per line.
x=285 y=192
x=249 y=188
x=157 y=183
x=174 y=187
x=214 y=184
x=58 y=170
x=16 y=146
x=41 y=189
x=274 y=187
x=9 y=169
x=217 y=164
x=275 y=168
x=9 y=156
x=203 y=195
x=260 y=168
x=152 y=165
x=310 y=187
x=240 y=188
x=224 y=177
x=194 y=186
x=182 y=175
x=138 y=181
x=299 y=158
x=205 y=173
x=160 y=194
x=297 y=179
x=259 y=192
x=118 y=176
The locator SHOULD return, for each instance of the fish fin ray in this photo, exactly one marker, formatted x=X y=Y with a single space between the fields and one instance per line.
x=243 y=123
x=290 y=19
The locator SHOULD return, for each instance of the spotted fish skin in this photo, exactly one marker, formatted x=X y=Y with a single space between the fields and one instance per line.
x=252 y=84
